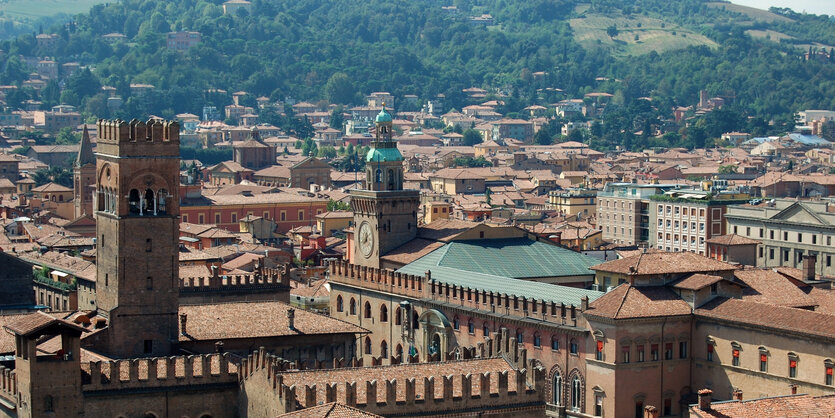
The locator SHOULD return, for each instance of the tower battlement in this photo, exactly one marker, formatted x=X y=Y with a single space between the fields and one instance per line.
x=136 y=138
x=139 y=373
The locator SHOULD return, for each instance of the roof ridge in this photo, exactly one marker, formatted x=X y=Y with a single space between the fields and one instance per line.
x=623 y=300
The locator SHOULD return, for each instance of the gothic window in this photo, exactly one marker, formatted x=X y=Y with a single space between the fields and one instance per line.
x=384 y=349
x=149 y=201
x=556 y=399
x=576 y=393
x=352 y=307
x=377 y=176
x=384 y=313
x=133 y=201
x=367 y=345
x=162 y=195
x=391 y=179
x=339 y=303
x=367 y=310
x=397 y=316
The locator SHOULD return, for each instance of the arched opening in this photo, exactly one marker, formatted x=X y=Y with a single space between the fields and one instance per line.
x=339 y=303
x=576 y=393
x=390 y=179
x=148 y=204
x=352 y=307
x=162 y=197
x=415 y=323
x=435 y=346
x=367 y=345
x=377 y=176
x=398 y=352
x=384 y=313
x=367 y=310
x=398 y=316
x=556 y=389
x=384 y=349
x=150 y=415
x=100 y=200
x=133 y=201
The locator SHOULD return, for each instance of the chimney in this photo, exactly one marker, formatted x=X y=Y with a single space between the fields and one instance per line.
x=704 y=399
x=738 y=394
x=794 y=389
x=183 y=319
x=809 y=262
x=650 y=412
x=291 y=319
x=584 y=303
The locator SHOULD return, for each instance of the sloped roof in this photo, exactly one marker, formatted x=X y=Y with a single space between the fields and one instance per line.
x=778 y=406
x=32 y=323
x=627 y=301
x=770 y=316
x=329 y=410
x=769 y=286
x=732 y=239
x=663 y=263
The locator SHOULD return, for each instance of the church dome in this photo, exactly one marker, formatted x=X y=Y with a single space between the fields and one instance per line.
x=383 y=116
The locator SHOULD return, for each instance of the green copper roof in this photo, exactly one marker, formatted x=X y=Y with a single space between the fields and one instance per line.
x=383 y=116
x=383 y=155
x=496 y=264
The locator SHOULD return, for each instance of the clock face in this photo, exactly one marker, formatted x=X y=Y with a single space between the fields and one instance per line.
x=365 y=239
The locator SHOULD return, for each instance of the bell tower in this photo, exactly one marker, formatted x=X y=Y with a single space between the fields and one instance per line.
x=84 y=177
x=137 y=231
x=385 y=215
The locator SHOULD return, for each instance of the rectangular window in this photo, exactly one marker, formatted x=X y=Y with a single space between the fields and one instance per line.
x=640 y=350
x=149 y=346
x=283 y=215
x=234 y=217
x=763 y=362
x=828 y=380
x=799 y=237
x=266 y=215
x=599 y=352
x=625 y=353
x=668 y=407
x=598 y=405
x=792 y=368
x=301 y=215
x=785 y=236
x=217 y=218
x=148 y=246
x=762 y=233
x=668 y=351
x=200 y=219
x=185 y=218
x=814 y=239
x=735 y=360
x=653 y=352
x=710 y=352
x=770 y=234
x=771 y=253
x=682 y=349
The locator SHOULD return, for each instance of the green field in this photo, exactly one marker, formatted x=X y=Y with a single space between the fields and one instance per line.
x=590 y=31
x=751 y=12
x=29 y=10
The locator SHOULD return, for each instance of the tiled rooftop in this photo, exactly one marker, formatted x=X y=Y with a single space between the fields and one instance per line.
x=796 y=406
x=651 y=263
x=627 y=301
x=773 y=317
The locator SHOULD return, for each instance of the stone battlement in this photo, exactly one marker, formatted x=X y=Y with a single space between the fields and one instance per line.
x=278 y=279
x=146 y=373
x=441 y=386
x=155 y=137
x=426 y=288
x=8 y=384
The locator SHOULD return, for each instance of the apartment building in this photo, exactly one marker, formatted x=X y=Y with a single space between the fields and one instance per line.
x=788 y=230
x=623 y=211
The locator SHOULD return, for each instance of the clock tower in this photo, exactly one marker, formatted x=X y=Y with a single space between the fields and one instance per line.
x=385 y=215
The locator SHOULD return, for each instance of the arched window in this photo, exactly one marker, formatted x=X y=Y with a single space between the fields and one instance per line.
x=339 y=303
x=537 y=340
x=367 y=310
x=100 y=200
x=150 y=415
x=391 y=179
x=398 y=316
x=398 y=351
x=485 y=329
x=556 y=391
x=149 y=202
x=415 y=322
x=162 y=196
x=456 y=323
x=384 y=349
x=573 y=347
x=377 y=175
x=576 y=393
x=352 y=307
x=384 y=313
x=520 y=336
x=471 y=327
x=133 y=201
x=367 y=345
x=555 y=342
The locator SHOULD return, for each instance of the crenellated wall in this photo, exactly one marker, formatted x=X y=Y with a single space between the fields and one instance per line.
x=269 y=284
x=135 y=138
x=267 y=387
x=143 y=373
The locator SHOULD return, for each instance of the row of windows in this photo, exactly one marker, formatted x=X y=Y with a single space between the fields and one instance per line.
x=679 y=211
x=792 y=360
x=799 y=236
x=640 y=352
x=383 y=313
x=675 y=225
x=201 y=219
x=536 y=339
x=786 y=253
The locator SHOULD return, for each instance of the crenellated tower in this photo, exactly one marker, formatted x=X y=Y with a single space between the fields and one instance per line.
x=385 y=215
x=137 y=231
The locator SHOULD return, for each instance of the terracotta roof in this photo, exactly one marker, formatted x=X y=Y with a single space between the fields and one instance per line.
x=697 y=281
x=329 y=410
x=732 y=239
x=627 y=301
x=780 y=406
x=412 y=250
x=211 y=322
x=51 y=188
x=7 y=340
x=318 y=288
x=824 y=299
x=444 y=229
x=34 y=322
x=769 y=286
x=664 y=263
x=770 y=316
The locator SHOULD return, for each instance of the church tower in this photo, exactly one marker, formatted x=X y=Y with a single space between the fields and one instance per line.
x=84 y=177
x=385 y=215
x=137 y=231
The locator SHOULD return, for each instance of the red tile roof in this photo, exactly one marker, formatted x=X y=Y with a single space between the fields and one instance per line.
x=697 y=281
x=664 y=263
x=627 y=301
x=329 y=410
x=769 y=286
x=782 y=406
x=732 y=239
x=769 y=316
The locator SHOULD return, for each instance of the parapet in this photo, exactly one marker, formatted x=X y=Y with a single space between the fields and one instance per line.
x=141 y=373
x=268 y=279
x=8 y=384
x=117 y=137
x=424 y=287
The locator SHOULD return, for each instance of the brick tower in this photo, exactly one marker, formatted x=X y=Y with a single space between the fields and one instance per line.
x=84 y=177
x=137 y=228
x=385 y=215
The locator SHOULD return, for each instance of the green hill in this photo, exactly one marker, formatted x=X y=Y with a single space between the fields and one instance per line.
x=340 y=50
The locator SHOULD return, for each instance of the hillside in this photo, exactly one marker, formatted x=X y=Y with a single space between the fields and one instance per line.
x=339 y=50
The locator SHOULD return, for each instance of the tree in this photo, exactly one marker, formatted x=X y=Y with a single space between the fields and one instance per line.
x=339 y=89
x=612 y=31
x=471 y=137
x=334 y=205
x=337 y=119
x=66 y=136
x=727 y=169
x=544 y=136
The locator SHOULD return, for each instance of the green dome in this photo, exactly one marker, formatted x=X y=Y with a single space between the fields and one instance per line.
x=383 y=116
x=381 y=155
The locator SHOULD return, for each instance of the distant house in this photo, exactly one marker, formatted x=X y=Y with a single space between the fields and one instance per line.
x=182 y=41
x=232 y=6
